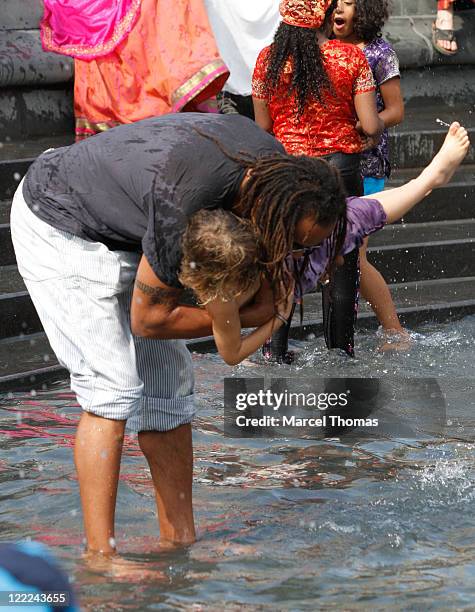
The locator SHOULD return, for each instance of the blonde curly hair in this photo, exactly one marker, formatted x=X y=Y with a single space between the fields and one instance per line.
x=222 y=255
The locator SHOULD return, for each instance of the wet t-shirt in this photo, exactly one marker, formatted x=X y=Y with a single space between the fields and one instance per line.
x=134 y=187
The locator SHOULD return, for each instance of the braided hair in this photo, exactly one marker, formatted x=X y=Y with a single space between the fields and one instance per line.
x=309 y=78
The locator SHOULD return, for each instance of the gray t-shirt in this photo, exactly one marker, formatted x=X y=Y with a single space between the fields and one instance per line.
x=135 y=187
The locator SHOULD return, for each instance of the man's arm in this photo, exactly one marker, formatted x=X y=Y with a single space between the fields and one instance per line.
x=156 y=312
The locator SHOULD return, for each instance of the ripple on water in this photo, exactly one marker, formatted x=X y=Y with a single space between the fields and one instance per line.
x=283 y=523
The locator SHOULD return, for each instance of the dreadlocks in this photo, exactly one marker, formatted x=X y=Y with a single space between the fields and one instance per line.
x=281 y=190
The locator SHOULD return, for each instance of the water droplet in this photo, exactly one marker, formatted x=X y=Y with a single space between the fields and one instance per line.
x=45 y=357
x=112 y=542
x=192 y=265
x=17 y=176
x=33 y=393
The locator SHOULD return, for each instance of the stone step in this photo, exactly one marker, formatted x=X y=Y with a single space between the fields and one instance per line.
x=424 y=251
x=17 y=313
x=419 y=7
x=6 y=246
x=454 y=201
x=401 y=252
x=20 y=15
x=11 y=173
x=5 y=206
x=16 y=157
x=27 y=112
x=412 y=296
x=411 y=37
x=28 y=362
x=415 y=142
x=402 y=235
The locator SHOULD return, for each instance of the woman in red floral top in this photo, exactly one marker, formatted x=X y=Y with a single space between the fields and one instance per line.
x=326 y=126
x=316 y=95
x=318 y=98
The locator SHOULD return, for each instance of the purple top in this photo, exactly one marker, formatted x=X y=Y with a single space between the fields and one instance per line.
x=385 y=65
x=363 y=217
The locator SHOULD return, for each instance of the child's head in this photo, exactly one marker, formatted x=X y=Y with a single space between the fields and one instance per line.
x=222 y=255
x=358 y=21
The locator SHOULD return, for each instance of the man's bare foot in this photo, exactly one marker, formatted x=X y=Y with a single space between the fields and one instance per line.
x=172 y=545
x=118 y=567
x=448 y=159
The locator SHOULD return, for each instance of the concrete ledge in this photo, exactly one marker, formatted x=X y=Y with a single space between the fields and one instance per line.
x=446 y=86
x=24 y=63
x=26 y=113
x=411 y=37
x=422 y=7
x=20 y=14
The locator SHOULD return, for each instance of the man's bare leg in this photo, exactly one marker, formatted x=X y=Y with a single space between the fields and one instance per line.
x=399 y=201
x=170 y=457
x=97 y=453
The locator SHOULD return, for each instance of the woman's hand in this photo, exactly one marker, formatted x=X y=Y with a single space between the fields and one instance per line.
x=369 y=142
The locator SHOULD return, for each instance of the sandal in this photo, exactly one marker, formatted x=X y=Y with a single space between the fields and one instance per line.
x=438 y=34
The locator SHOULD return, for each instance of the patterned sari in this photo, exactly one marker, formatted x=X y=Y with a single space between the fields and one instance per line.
x=137 y=59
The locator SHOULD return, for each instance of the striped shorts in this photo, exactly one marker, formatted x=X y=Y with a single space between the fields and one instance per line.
x=82 y=292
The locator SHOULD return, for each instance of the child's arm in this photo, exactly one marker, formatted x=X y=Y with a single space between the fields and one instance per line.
x=393 y=112
x=226 y=323
x=367 y=113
